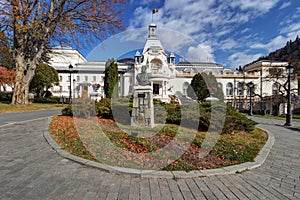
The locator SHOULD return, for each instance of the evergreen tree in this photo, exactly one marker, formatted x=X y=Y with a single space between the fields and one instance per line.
x=204 y=85
x=111 y=88
x=44 y=78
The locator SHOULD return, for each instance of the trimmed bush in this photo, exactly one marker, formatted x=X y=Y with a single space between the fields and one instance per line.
x=6 y=97
x=184 y=115
x=103 y=108
x=236 y=121
x=67 y=111
x=83 y=108
x=47 y=100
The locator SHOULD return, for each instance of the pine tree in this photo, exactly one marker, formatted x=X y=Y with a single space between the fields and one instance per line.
x=203 y=85
x=111 y=79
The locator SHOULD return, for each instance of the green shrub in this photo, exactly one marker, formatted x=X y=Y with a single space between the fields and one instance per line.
x=6 y=97
x=117 y=109
x=121 y=113
x=47 y=100
x=83 y=108
x=236 y=121
x=184 y=115
x=103 y=108
x=67 y=111
x=173 y=114
x=160 y=114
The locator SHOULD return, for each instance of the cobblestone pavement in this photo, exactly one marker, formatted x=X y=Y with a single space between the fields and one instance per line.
x=30 y=169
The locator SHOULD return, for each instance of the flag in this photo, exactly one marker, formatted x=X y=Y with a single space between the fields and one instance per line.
x=154 y=11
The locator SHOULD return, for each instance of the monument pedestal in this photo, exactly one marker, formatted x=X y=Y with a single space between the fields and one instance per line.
x=142 y=110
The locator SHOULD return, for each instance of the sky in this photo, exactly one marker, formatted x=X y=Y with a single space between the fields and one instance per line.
x=230 y=32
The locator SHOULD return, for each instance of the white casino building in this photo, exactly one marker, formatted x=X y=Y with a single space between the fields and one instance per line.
x=166 y=77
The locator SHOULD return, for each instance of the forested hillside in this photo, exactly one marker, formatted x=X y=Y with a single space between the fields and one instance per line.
x=289 y=53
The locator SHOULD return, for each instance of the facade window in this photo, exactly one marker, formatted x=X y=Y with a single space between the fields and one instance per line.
x=155 y=88
x=229 y=103
x=239 y=105
x=185 y=87
x=130 y=89
x=60 y=88
x=94 y=78
x=274 y=89
x=229 y=89
x=86 y=78
x=220 y=85
x=78 y=78
x=240 y=91
x=60 y=78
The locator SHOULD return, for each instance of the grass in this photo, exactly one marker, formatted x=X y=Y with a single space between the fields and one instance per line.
x=296 y=117
x=241 y=147
x=6 y=108
x=91 y=144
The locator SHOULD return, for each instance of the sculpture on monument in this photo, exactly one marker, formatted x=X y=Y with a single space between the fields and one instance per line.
x=142 y=110
x=142 y=78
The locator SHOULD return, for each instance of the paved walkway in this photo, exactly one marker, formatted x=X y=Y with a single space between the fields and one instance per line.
x=30 y=169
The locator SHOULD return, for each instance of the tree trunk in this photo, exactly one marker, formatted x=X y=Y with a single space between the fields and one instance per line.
x=24 y=74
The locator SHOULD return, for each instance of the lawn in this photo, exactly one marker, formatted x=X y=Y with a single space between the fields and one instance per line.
x=166 y=147
x=296 y=117
x=5 y=108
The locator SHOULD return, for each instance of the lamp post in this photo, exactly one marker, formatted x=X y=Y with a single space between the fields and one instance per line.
x=70 y=94
x=74 y=88
x=289 y=112
x=251 y=85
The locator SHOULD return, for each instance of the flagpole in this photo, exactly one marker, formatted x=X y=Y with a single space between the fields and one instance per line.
x=153 y=12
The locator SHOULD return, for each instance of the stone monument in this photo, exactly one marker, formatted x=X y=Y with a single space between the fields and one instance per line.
x=142 y=110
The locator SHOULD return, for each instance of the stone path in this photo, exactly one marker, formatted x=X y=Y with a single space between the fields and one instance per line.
x=30 y=169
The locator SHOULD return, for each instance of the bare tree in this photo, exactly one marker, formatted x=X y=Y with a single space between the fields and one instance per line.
x=32 y=25
x=278 y=77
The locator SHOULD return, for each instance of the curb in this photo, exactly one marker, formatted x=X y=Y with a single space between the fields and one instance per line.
x=233 y=169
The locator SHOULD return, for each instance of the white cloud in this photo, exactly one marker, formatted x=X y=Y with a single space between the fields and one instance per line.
x=285 y=5
x=245 y=30
x=211 y=22
x=274 y=44
x=198 y=17
x=294 y=27
x=262 y=6
x=143 y=2
x=201 y=52
x=241 y=59
x=228 y=44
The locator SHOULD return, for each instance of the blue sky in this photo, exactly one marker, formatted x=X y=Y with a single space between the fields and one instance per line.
x=230 y=32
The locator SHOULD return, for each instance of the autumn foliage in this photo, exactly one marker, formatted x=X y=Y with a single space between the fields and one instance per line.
x=7 y=77
x=31 y=27
x=82 y=137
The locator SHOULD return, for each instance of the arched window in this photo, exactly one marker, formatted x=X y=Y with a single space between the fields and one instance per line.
x=220 y=85
x=229 y=89
x=240 y=91
x=156 y=65
x=275 y=89
x=184 y=88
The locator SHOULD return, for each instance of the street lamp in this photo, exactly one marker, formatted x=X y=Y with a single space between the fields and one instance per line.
x=289 y=112
x=74 y=88
x=251 y=85
x=70 y=94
